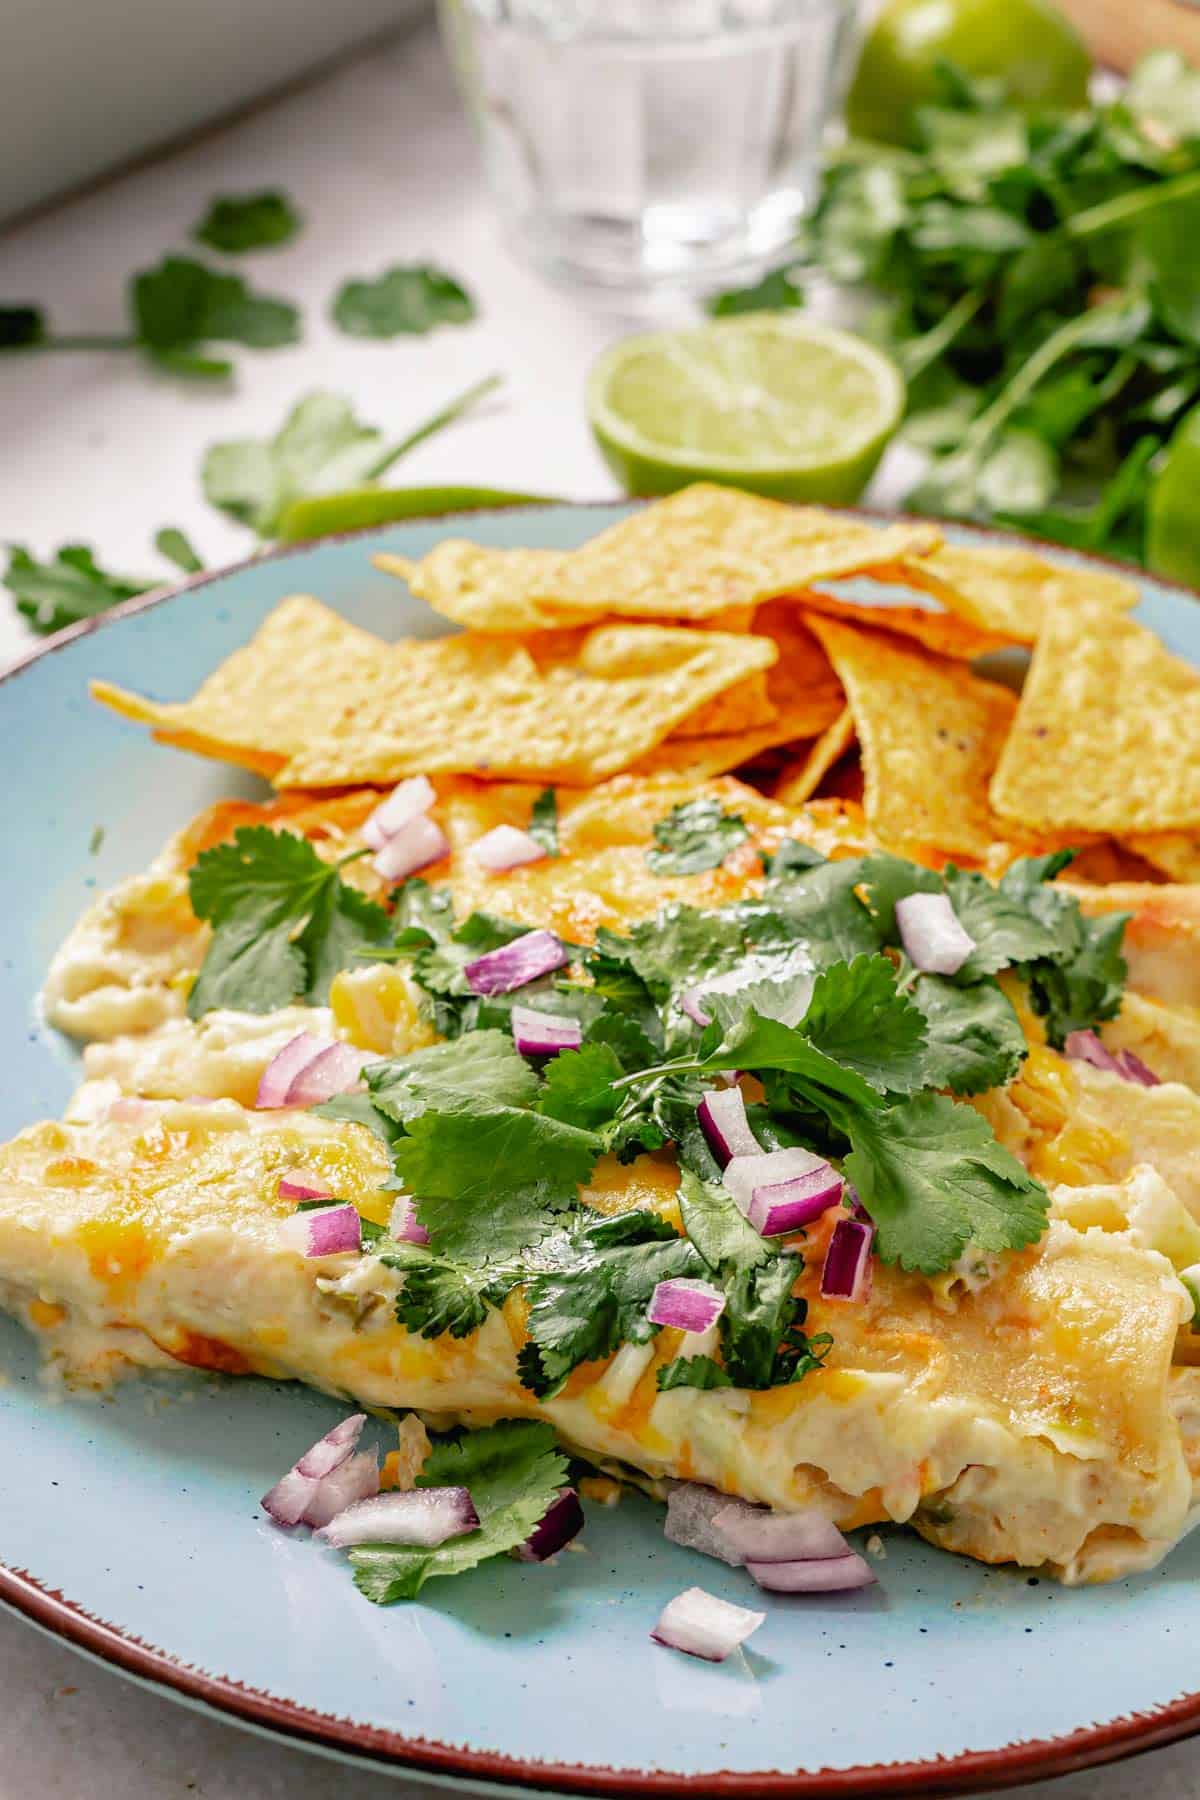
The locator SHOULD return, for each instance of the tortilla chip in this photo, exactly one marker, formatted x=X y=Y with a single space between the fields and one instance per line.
x=1175 y=853
x=802 y=684
x=691 y=556
x=1107 y=735
x=945 y=633
x=1009 y=591
x=743 y=707
x=573 y=721
x=262 y=702
x=801 y=779
x=931 y=735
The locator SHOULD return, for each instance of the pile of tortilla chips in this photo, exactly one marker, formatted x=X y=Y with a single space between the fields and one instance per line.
x=707 y=632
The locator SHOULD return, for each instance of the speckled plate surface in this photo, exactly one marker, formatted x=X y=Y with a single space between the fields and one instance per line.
x=130 y=1526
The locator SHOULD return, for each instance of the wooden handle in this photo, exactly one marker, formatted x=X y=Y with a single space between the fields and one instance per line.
x=1119 y=31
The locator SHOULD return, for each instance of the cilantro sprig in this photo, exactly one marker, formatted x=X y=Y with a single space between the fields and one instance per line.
x=695 y=836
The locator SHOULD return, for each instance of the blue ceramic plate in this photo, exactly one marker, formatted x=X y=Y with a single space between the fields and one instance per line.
x=130 y=1527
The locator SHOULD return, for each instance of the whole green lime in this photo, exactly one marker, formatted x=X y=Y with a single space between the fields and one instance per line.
x=1027 y=44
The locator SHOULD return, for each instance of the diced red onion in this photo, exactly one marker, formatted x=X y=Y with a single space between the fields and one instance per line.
x=700 y=1624
x=846 y=1271
x=932 y=936
x=558 y=1525
x=515 y=964
x=722 y=1118
x=691 y=1004
x=1085 y=1046
x=405 y=802
x=285 y=1066
x=685 y=1304
x=755 y=1535
x=357 y=1479
x=691 y=1509
x=301 y=1184
x=417 y=844
x=332 y=1072
x=287 y=1500
x=781 y=1190
x=331 y=1451
x=544 y=1034
x=505 y=847
x=325 y=1231
x=421 y=1516
x=404 y=1224
x=829 y=1575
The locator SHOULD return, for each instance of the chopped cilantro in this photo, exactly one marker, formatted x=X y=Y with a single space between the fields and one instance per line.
x=400 y=301
x=822 y=908
x=697 y=835
x=71 y=586
x=284 y=923
x=543 y=821
x=238 y=222
x=483 y=1069
x=579 y=1086
x=1080 y=981
x=692 y=1372
x=973 y=1038
x=513 y=1472
x=177 y=547
x=859 y=1018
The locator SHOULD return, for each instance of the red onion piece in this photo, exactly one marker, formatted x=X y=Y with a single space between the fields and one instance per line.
x=331 y=1451
x=722 y=1118
x=404 y=1224
x=332 y=1072
x=357 y=1479
x=755 y=1535
x=505 y=847
x=544 y=1034
x=515 y=964
x=417 y=844
x=781 y=1190
x=931 y=934
x=691 y=1004
x=423 y=1516
x=558 y=1525
x=285 y=1066
x=302 y=1184
x=691 y=1509
x=405 y=802
x=1085 y=1046
x=325 y=1231
x=846 y=1271
x=829 y=1575
x=288 y=1500
x=686 y=1304
x=701 y=1625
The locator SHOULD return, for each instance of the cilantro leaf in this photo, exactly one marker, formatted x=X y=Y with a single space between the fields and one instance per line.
x=859 y=1018
x=491 y=1180
x=402 y=300
x=974 y=1039
x=482 y=1068
x=821 y=907
x=1081 y=981
x=694 y=836
x=440 y=1296
x=692 y=1372
x=720 y=1231
x=72 y=586
x=934 y=1179
x=180 y=305
x=578 y=1086
x=284 y=923
x=177 y=548
x=238 y=222
x=775 y=292
x=1005 y=928
x=761 y=1044
x=596 y=1300
x=543 y=821
x=513 y=1472
x=762 y=1342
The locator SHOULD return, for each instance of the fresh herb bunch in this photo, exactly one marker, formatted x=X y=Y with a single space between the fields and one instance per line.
x=1037 y=282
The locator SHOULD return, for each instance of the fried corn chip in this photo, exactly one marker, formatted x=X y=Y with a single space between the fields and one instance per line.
x=931 y=734
x=263 y=701
x=801 y=779
x=945 y=633
x=802 y=684
x=1175 y=853
x=573 y=721
x=1009 y=591
x=1107 y=735
x=691 y=556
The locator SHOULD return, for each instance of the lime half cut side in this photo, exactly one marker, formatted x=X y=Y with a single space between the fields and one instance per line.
x=777 y=405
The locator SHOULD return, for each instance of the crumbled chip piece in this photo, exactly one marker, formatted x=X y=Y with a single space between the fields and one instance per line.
x=1107 y=735
x=931 y=734
x=799 y=780
x=1008 y=590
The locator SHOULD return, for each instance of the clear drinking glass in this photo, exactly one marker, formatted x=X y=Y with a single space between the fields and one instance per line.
x=639 y=144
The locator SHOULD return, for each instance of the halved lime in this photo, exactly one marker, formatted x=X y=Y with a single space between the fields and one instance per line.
x=774 y=404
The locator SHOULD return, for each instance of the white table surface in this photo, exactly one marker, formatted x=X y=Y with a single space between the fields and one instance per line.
x=100 y=450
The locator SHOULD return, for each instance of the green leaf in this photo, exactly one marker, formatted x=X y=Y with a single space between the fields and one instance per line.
x=974 y=1039
x=1081 y=981
x=71 y=587
x=760 y=1044
x=284 y=923
x=482 y=1067
x=777 y=291
x=596 y=1300
x=447 y=1298
x=821 y=907
x=404 y=299
x=22 y=327
x=235 y=223
x=692 y=1372
x=513 y=1473
x=320 y=445
x=543 y=821
x=491 y=1180
x=695 y=836
x=721 y=1233
x=858 y=1018
x=578 y=1086
x=934 y=1179
x=762 y=1342
x=180 y=305
x=177 y=548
